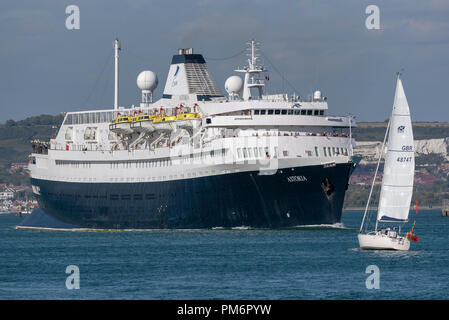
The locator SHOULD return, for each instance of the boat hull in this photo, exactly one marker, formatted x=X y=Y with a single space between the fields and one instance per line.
x=227 y=200
x=143 y=126
x=165 y=126
x=121 y=128
x=378 y=241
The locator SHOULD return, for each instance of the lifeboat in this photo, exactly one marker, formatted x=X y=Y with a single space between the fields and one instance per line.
x=187 y=120
x=164 y=123
x=122 y=125
x=143 y=123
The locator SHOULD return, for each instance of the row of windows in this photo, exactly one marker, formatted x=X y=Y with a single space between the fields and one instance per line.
x=90 y=133
x=334 y=151
x=107 y=116
x=329 y=151
x=290 y=111
x=74 y=164
x=254 y=152
x=145 y=163
x=89 y=117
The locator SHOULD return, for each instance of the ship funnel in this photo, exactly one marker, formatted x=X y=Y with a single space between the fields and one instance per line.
x=189 y=78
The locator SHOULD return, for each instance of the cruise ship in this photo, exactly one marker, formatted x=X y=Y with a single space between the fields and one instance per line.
x=198 y=158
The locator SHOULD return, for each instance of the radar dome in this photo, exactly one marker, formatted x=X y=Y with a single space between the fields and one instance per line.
x=234 y=85
x=147 y=80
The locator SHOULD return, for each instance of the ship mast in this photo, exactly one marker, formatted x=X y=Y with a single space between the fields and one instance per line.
x=116 y=49
x=252 y=73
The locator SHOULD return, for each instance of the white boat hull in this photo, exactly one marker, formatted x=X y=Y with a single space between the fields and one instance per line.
x=380 y=241
x=143 y=126
x=165 y=126
x=121 y=128
x=188 y=124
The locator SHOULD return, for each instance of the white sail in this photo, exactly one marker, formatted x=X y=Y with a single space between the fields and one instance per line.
x=399 y=168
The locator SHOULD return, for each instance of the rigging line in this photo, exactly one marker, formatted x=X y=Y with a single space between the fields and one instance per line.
x=275 y=69
x=98 y=79
x=100 y=98
x=375 y=175
x=227 y=58
x=137 y=56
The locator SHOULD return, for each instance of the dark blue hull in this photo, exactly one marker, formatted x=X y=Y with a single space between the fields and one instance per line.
x=283 y=199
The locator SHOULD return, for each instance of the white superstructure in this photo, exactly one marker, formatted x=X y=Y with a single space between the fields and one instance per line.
x=244 y=131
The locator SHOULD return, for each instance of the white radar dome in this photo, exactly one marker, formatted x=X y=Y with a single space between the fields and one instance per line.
x=317 y=95
x=234 y=85
x=147 y=80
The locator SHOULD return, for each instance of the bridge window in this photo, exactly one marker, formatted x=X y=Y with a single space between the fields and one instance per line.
x=324 y=150
x=263 y=112
x=309 y=112
x=316 y=112
x=290 y=111
x=303 y=112
x=277 y=111
x=256 y=111
x=270 y=111
x=284 y=112
x=68 y=119
x=90 y=133
x=69 y=133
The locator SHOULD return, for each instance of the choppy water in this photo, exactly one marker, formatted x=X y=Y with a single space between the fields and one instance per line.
x=316 y=262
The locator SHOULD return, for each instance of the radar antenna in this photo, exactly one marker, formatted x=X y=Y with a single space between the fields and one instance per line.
x=252 y=72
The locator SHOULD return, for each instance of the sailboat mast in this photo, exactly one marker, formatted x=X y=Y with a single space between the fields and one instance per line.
x=375 y=175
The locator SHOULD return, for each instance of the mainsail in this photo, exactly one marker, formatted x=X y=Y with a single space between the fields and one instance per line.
x=399 y=168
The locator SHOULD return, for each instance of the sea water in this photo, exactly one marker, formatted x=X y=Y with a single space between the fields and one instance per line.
x=315 y=262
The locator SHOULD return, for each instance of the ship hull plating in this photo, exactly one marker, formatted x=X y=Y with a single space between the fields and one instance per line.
x=290 y=197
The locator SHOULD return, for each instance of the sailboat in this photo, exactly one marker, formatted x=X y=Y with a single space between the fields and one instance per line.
x=397 y=182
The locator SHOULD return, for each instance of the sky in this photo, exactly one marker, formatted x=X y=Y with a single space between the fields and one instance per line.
x=306 y=46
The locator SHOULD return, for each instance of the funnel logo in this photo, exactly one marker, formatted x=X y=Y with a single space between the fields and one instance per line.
x=175 y=82
x=401 y=129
